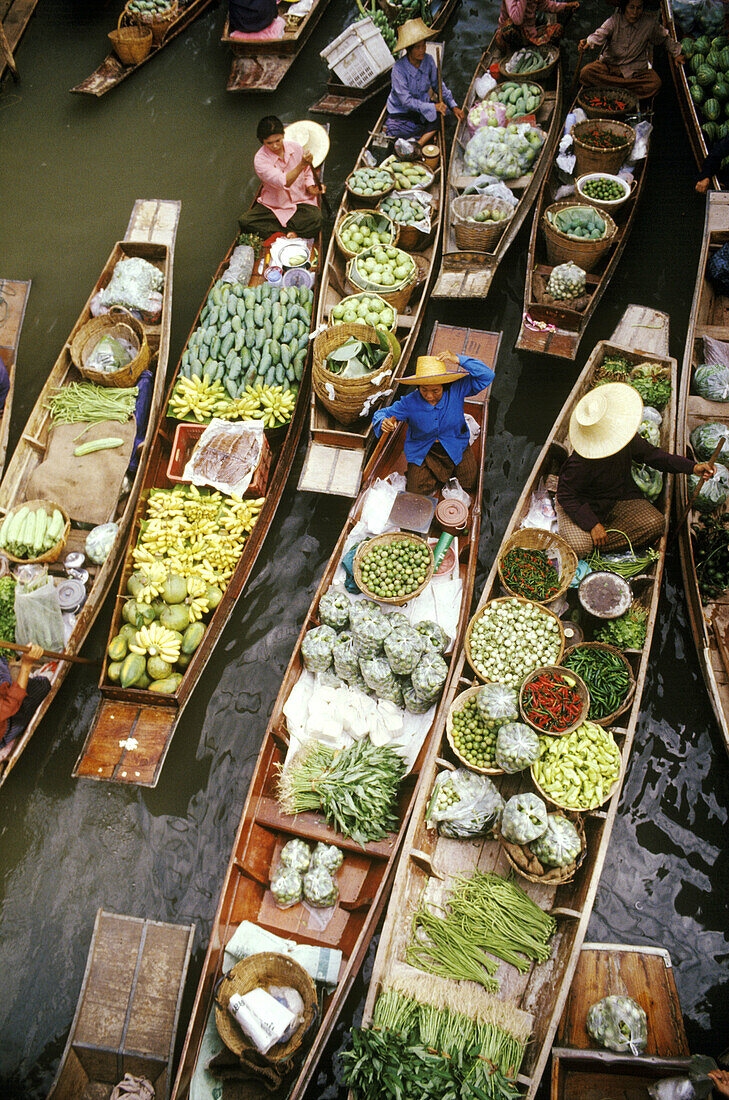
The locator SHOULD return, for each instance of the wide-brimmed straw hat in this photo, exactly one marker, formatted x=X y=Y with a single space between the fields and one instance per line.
x=312 y=138
x=412 y=32
x=605 y=420
x=431 y=371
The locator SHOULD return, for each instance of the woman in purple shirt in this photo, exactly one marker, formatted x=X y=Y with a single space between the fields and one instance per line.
x=413 y=104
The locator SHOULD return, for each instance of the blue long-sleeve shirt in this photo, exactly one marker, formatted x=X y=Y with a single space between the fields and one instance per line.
x=443 y=423
x=411 y=86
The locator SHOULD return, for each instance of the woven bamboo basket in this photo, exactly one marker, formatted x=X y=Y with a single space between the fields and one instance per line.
x=261 y=971
x=410 y=237
x=526 y=864
x=350 y=394
x=117 y=322
x=581 y=687
x=606 y=721
x=367 y=200
x=551 y=57
x=601 y=160
x=491 y=97
x=354 y=298
x=534 y=538
x=131 y=43
x=470 y=234
x=55 y=551
x=159 y=23
x=383 y=540
x=616 y=94
x=502 y=599
x=562 y=249
x=356 y=217
x=398 y=297
x=457 y=705
x=580 y=809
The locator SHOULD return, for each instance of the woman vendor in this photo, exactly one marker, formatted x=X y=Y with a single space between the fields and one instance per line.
x=626 y=40
x=20 y=700
x=255 y=19
x=289 y=196
x=598 y=503
x=414 y=104
x=437 y=441
x=518 y=22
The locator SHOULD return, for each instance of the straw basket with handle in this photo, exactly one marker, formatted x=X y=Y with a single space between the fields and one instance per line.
x=398 y=297
x=384 y=540
x=131 y=43
x=526 y=864
x=457 y=705
x=369 y=218
x=590 y=159
x=616 y=102
x=346 y=398
x=473 y=234
x=562 y=249
x=54 y=553
x=534 y=538
x=158 y=21
x=118 y=322
x=631 y=690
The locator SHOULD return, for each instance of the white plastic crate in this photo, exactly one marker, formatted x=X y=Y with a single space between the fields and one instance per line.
x=359 y=54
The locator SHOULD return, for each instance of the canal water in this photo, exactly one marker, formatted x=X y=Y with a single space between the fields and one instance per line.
x=71 y=170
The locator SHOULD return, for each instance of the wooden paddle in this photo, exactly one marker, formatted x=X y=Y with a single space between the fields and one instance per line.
x=7 y=53
x=439 y=59
x=704 y=478
x=50 y=654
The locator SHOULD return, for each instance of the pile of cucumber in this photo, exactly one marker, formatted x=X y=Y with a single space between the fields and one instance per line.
x=28 y=534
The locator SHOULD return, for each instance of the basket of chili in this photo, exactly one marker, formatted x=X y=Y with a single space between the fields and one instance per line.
x=553 y=700
x=601 y=145
x=526 y=565
x=608 y=676
x=607 y=102
x=526 y=864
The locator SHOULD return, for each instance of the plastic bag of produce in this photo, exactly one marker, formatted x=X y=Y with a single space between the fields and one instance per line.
x=649 y=481
x=296 y=853
x=435 y=637
x=320 y=889
x=618 y=1023
x=650 y=432
x=713 y=492
x=517 y=747
x=134 y=284
x=485 y=113
x=328 y=678
x=396 y=619
x=524 y=819
x=328 y=856
x=429 y=676
x=316 y=648
x=411 y=700
x=560 y=845
x=403 y=648
x=99 y=542
x=38 y=618
x=464 y=804
x=344 y=654
x=711 y=381
x=649 y=413
x=696 y=1086
x=369 y=629
x=705 y=437
x=334 y=609
x=498 y=701
x=567 y=281
x=287 y=886
x=379 y=676
x=110 y=354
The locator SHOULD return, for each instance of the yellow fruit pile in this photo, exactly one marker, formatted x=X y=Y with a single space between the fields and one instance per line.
x=203 y=400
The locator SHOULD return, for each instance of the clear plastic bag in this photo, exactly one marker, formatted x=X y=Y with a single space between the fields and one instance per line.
x=320 y=888
x=296 y=854
x=316 y=648
x=379 y=676
x=328 y=856
x=566 y=281
x=334 y=609
x=379 y=501
x=110 y=355
x=464 y=804
x=411 y=700
x=524 y=819
x=618 y=1023
x=542 y=513
x=498 y=701
x=344 y=654
x=403 y=648
x=436 y=638
x=287 y=886
x=429 y=676
x=453 y=490
x=38 y=617
x=517 y=747
x=559 y=845
x=679 y=1088
x=369 y=631
x=713 y=491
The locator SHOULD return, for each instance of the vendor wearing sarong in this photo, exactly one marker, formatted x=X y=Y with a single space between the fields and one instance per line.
x=518 y=22
x=255 y=20
x=437 y=441
x=289 y=195
x=20 y=700
x=626 y=41
x=413 y=104
x=598 y=502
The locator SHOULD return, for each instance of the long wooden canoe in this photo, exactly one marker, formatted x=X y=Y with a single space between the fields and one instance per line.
x=151 y=235
x=336 y=453
x=556 y=329
x=111 y=71
x=542 y=990
x=13 y=300
x=128 y=1007
x=469 y=274
x=366 y=874
x=132 y=729
x=261 y=66
x=709 y=317
x=15 y=16
x=581 y=1070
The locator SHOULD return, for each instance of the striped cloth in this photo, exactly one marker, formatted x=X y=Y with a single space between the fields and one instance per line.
x=638 y=519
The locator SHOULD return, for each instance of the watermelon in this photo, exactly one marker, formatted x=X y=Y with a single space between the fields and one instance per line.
x=720 y=90
x=711 y=132
x=712 y=60
x=702 y=44
x=696 y=62
x=706 y=76
x=712 y=109
x=724 y=59
x=697 y=94
x=688 y=48
x=720 y=42
x=723 y=130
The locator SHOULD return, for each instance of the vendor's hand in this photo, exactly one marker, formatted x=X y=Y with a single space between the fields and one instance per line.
x=703 y=186
x=390 y=424
x=705 y=469
x=459 y=113
x=584 y=44
x=449 y=359
x=720 y=1077
x=680 y=59
x=33 y=657
x=441 y=108
x=599 y=535
x=307 y=158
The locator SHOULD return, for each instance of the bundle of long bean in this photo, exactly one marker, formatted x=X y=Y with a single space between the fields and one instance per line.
x=606 y=676
x=83 y=402
x=625 y=565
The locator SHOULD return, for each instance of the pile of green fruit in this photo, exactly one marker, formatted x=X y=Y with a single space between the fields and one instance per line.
x=707 y=70
x=475 y=736
x=150 y=9
x=371 y=181
x=408 y=175
x=604 y=188
x=361 y=231
x=385 y=267
x=396 y=568
x=525 y=61
x=367 y=309
x=28 y=534
x=517 y=99
x=580 y=222
x=404 y=211
x=489 y=216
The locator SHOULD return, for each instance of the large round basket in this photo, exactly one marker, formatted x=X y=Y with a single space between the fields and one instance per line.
x=617 y=102
x=579 y=809
x=55 y=551
x=589 y=159
x=526 y=864
x=493 y=603
x=262 y=971
x=477 y=235
x=581 y=687
x=383 y=540
x=551 y=57
x=410 y=237
x=534 y=538
x=345 y=398
x=130 y=43
x=458 y=704
x=353 y=299
x=562 y=249
x=491 y=97
x=356 y=217
x=611 y=205
x=606 y=721
x=397 y=297
x=367 y=200
x=117 y=322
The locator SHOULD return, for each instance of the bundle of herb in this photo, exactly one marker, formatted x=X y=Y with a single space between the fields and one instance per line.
x=625 y=565
x=626 y=632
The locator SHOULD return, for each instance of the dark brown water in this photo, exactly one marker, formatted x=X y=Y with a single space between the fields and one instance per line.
x=71 y=169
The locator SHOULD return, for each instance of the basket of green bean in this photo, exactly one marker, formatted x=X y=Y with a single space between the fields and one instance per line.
x=608 y=676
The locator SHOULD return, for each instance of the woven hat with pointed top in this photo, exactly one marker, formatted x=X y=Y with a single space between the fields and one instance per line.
x=412 y=32
x=605 y=420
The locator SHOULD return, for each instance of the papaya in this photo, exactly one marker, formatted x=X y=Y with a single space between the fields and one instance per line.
x=174 y=589
x=118 y=648
x=129 y=632
x=169 y=685
x=158 y=669
x=133 y=668
x=143 y=682
x=183 y=660
x=175 y=617
x=113 y=671
x=192 y=637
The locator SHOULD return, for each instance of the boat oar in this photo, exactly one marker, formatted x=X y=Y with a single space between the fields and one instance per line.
x=575 y=78
x=50 y=654
x=324 y=197
x=7 y=53
x=439 y=58
x=704 y=478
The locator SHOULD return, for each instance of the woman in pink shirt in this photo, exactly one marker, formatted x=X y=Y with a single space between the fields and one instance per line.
x=289 y=196
x=518 y=25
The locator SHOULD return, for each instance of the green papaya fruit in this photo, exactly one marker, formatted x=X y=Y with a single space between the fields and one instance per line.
x=118 y=648
x=169 y=685
x=129 y=632
x=133 y=667
x=192 y=637
x=213 y=595
x=113 y=671
x=158 y=669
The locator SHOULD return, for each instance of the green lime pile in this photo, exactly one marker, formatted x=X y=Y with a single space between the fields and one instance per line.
x=475 y=736
x=446 y=797
x=395 y=569
x=386 y=267
x=603 y=188
x=366 y=309
x=366 y=231
x=370 y=181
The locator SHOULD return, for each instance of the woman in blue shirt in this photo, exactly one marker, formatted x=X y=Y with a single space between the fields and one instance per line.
x=414 y=104
x=437 y=440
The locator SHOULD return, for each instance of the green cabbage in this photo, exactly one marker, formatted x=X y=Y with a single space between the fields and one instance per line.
x=711 y=381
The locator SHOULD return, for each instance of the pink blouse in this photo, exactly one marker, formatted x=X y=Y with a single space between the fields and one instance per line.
x=272 y=171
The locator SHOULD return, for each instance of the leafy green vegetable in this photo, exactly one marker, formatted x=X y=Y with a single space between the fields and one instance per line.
x=7 y=613
x=653 y=383
x=626 y=632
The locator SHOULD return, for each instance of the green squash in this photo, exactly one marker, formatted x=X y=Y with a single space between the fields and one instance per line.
x=724 y=59
x=711 y=131
x=113 y=671
x=158 y=669
x=712 y=110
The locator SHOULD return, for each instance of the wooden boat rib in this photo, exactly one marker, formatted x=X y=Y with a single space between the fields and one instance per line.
x=260 y=66
x=469 y=274
x=366 y=875
x=336 y=453
x=112 y=71
x=15 y=18
x=557 y=328
x=709 y=619
x=128 y=1008
x=13 y=300
x=151 y=235
x=133 y=729
x=542 y=991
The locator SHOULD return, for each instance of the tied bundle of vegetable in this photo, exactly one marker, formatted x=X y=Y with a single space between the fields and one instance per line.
x=355 y=788
x=83 y=402
x=625 y=565
x=529 y=573
x=7 y=613
x=653 y=383
x=626 y=632
x=606 y=675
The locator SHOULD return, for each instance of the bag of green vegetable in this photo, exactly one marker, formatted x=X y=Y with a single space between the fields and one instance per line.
x=517 y=747
x=381 y=679
x=648 y=480
x=344 y=654
x=320 y=889
x=412 y=702
x=653 y=383
x=296 y=854
x=464 y=804
x=650 y=432
x=498 y=701
x=369 y=629
x=434 y=635
x=316 y=648
x=334 y=609
x=618 y=1023
x=99 y=542
x=711 y=381
x=429 y=676
x=328 y=856
x=403 y=648
x=110 y=355
x=559 y=845
x=524 y=818
x=705 y=437
x=38 y=613
x=287 y=886
x=713 y=491
x=566 y=282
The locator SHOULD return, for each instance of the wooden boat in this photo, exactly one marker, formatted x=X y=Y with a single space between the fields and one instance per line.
x=557 y=328
x=709 y=619
x=690 y=115
x=336 y=453
x=469 y=274
x=128 y=1007
x=151 y=235
x=13 y=300
x=132 y=729
x=15 y=16
x=542 y=990
x=261 y=66
x=366 y=874
x=646 y=975
x=112 y=71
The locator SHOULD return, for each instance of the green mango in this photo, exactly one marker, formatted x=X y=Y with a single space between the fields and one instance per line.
x=133 y=668
x=158 y=669
x=129 y=632
x=138 y=614
x=192 y=637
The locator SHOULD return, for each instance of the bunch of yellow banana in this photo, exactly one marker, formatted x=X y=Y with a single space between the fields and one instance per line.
x=197 y=396
x=196 y=600
x=154 y=577
x=239 y=515
x=156 y=641
x=246 y=407
x=277 y=404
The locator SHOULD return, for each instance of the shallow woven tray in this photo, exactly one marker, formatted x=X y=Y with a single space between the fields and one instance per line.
x=534 y=538
x=551 y=57
x=55 y=551
x=611 y=93
x=631 y=690
x=397 y=297
x=501 y=599
x=526 y=864
x=459 y=703
x=263 y=970
x=379 y=540
x=581 y=686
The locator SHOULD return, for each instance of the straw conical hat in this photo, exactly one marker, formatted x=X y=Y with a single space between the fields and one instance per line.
x=312 y=138
x=431 y=371
x=412 y=32
x=605 y=420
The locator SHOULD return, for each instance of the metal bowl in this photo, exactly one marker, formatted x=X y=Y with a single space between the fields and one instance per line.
x=612 y=584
